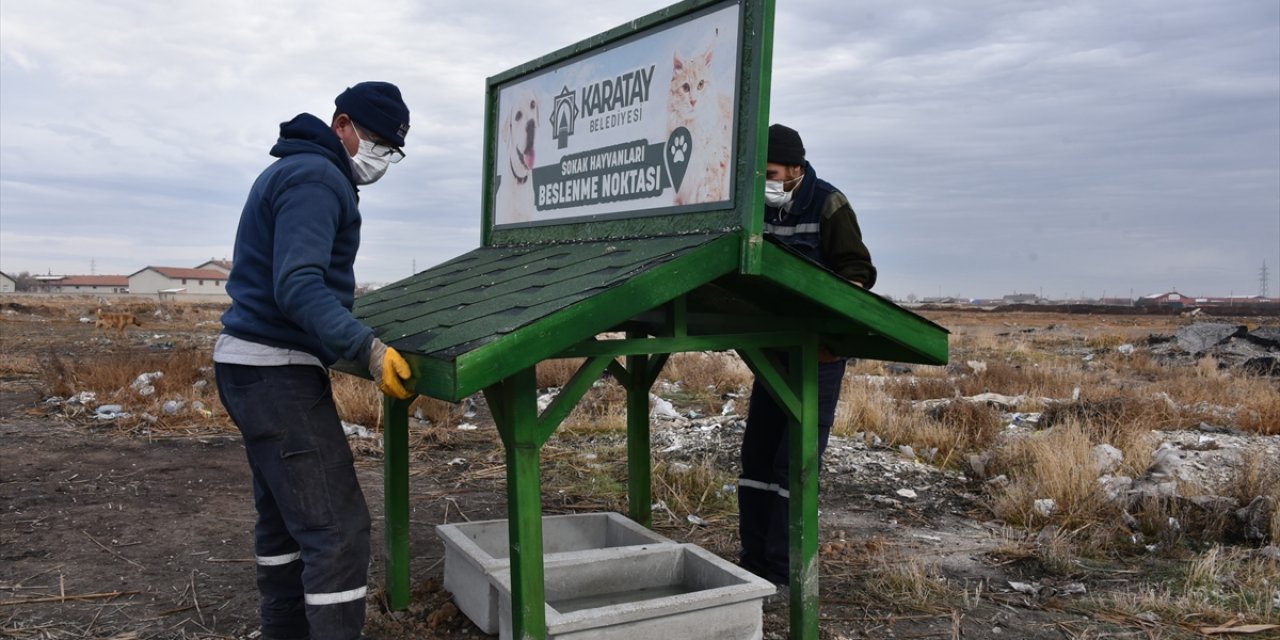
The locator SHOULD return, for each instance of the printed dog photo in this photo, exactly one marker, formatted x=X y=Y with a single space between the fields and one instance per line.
x=516 y=133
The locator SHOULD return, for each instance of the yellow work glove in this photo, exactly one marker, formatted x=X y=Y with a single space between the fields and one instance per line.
x=389 y=369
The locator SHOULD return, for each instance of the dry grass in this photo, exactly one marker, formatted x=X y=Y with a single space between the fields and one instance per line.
x=360 y=402
x=557 y=373
x=187 y=379
x=1121 y=399
x=1219 y=586
x=712 y=373
x=587 y=471
x=694 y=489
x=864 y=407
x=909 y=583
x=1051 y=465
x=1259 y=475
x=920 y=388
x=602 y=408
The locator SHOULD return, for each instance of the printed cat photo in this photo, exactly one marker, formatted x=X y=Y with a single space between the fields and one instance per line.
x=697 y=103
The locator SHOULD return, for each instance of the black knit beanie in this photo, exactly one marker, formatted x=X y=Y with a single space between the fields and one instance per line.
x=785 y=146
x=378 y=107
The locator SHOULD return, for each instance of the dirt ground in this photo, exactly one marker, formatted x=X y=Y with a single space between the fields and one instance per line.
x=148 y=536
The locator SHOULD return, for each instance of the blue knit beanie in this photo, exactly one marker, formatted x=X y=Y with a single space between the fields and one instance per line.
x=378 y=107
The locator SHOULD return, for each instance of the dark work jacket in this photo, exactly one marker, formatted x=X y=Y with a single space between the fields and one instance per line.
x=292 y=281
x=821 y=224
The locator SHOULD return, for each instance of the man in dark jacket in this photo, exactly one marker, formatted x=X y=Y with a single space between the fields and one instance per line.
x=292 y=285
x=811 y=216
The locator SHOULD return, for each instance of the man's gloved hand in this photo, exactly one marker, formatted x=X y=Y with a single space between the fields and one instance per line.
x=388 y=369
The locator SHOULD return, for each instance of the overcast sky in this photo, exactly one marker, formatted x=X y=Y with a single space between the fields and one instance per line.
x=1056 y=146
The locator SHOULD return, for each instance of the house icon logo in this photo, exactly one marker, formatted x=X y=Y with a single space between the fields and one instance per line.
x=563 y=114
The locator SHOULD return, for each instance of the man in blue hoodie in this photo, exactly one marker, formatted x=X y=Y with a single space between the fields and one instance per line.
x=292 y=285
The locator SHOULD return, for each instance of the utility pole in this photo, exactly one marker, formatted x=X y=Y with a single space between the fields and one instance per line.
x=1264 y=290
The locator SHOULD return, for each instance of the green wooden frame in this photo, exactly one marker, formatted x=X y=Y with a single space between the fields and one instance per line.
x=700 y=281
x=667 y=302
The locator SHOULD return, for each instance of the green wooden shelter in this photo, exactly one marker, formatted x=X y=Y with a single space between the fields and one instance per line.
x=675 y=279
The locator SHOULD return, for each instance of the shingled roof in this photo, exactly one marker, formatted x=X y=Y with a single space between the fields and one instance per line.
x=473 y=320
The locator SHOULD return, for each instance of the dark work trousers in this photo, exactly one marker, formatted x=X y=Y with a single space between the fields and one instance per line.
x=763 y=488
x=312 y=535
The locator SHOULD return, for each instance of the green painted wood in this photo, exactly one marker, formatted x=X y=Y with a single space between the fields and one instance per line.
x=395 y=478
x=754 y=124
x=444 y=308
x=517 y=419
x=678 y=311
x=919 y=339
x=678 y=345
x=484 y=320
x=639 y=457
x=803 y=467
x=568 y=398
x=550 y=335
x=656 y=363
x=768 y=373
x=498 y=283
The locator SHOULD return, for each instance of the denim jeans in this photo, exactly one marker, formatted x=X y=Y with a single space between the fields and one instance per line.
x=763 y=488
x=312 y=535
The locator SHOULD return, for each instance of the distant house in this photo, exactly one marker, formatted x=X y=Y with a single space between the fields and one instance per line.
x=221 y=265
x=89 y=284
x=1167 y=299
x=7 y=284
x=47 y=283
x=1021 y=298
x=178 y=282
x=1116 y=302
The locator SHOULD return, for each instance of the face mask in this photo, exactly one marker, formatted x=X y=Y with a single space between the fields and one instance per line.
x=366 y=166
x=776 y=194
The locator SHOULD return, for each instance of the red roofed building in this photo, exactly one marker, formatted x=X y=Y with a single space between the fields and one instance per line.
x=89 y=284
x=179 y=282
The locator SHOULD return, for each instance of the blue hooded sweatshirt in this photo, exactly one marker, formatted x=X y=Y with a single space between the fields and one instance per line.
x=292 y=282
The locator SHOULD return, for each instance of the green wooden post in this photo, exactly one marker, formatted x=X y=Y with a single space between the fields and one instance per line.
x=803 y=488
x=395 y=475
x=515 y=410
x=639 y=463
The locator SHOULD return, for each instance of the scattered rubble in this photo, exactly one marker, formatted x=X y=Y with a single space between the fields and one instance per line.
x=143 y=384
x=1256 y=352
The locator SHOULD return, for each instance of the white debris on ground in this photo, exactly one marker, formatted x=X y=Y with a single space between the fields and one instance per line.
x=1206 y=459
x=545 y=399
x=359 y=431
x=143 y=384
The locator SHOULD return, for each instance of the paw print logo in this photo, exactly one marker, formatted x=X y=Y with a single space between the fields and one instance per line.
x=679 y=149
x=679 y=146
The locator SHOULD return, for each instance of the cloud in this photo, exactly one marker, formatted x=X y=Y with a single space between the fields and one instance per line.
x=987 y=147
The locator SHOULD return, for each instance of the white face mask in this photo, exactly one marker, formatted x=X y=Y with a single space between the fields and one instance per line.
x=366 y=166
x=776 y=194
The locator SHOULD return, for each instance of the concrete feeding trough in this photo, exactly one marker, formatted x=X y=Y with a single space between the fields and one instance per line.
x=664 y=592
x=475 y=551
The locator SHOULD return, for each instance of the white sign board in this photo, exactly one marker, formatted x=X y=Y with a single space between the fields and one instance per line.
x=642 y=128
